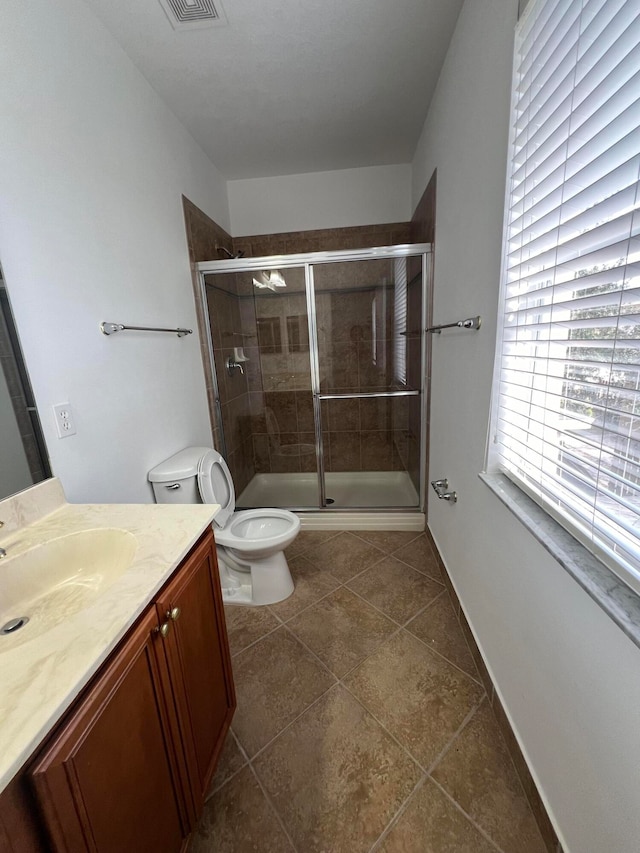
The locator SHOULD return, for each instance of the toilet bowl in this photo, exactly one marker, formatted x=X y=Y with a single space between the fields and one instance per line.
x=249 y=544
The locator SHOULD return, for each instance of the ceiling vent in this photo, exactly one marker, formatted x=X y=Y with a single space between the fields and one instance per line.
x=189 y=14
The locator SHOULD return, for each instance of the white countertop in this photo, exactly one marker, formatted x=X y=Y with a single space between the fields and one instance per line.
x=42 y=676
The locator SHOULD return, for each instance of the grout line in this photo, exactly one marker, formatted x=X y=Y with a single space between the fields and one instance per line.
x=271 y=805
x=468 y=817
x=365 y=659
x=306 y=607
x=289 y=724
x=254 y=642
x=436 y=761
x=230 y=733
x=477 y=680
x=396 y=817
x=405 y=749
x=311 y=652
x=359 y=533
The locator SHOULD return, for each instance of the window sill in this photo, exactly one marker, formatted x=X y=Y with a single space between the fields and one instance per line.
x=618 y=601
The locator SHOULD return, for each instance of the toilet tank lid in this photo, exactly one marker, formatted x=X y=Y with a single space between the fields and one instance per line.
x=179 y=466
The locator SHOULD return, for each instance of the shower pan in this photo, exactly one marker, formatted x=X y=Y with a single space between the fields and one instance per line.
x=319 y=364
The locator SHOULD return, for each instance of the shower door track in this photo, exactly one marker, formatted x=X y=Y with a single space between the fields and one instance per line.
x=307 y=261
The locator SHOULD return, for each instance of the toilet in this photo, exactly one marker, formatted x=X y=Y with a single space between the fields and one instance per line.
x=249 y=543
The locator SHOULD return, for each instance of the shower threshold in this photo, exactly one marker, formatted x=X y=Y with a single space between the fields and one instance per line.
x=347 y=489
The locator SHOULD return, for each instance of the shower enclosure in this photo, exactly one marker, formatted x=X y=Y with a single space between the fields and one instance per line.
x=319 y=363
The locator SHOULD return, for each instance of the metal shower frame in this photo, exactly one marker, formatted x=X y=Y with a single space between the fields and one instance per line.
x=308 y=260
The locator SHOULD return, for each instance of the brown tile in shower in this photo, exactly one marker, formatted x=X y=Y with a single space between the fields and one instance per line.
x=345 y=452
x=438 y=627
x=343 y=415
x=478 y=773
x=275 y=679
x=375 y=413
x=345 y=555
x=372 y=377
x=311 y=583
x=339 y=366
x=377 y=451
x=239 y=819
x=432 y=824
x=245 y=625
x=436 y=697
x=282 y=460
x=298 y=244
x=395 y=589
x=419 y=555
x=336 y=777
x=253 y=369
x=342 y=630
x=283 y=406
x=308 y=460
x=261 y=454
x=304 y=410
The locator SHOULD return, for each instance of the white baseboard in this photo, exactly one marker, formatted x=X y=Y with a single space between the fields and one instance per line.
x=361 y=520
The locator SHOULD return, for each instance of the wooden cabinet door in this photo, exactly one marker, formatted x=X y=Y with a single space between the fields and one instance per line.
x=199 y=663
x=109 y=783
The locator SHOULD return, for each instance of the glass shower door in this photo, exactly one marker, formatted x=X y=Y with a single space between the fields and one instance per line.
x=369 y=322
x=265 y=401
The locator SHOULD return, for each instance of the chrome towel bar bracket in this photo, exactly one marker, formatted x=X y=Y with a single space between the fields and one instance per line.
x=440 y=487
x=111 y=328
x=469 y=323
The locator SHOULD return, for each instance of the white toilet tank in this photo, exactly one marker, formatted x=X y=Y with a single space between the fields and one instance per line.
x=175 y=481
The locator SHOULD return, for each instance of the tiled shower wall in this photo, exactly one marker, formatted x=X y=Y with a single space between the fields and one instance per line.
x=268 y=412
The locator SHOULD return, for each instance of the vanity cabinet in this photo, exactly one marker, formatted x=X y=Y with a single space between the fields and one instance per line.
x=130 y=765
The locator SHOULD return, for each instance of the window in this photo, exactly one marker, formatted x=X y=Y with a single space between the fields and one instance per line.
x=566 y=403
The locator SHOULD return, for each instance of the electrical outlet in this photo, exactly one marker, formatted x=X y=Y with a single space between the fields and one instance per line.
x=65 y=424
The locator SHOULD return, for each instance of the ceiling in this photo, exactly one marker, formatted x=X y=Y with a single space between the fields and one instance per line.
x=293 y=86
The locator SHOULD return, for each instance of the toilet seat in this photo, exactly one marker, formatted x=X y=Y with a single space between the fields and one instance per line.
x=216 y=486
x=255 y=530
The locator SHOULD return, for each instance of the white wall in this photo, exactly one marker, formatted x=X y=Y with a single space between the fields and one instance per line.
x=348 y=197
x=93 y=168
x=569 y=678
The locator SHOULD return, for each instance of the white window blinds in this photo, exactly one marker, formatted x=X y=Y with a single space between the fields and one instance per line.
x=400 y=321
x=566 y=415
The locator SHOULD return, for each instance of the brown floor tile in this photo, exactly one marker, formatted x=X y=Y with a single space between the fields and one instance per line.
x=307 y=539
x=276 y=679
x=342 y=630
x=418 y=696
x=438 y=627
x=388 y=540
x=432 y=824
x=245 y=625
x=396 y=589
x=311 y=583
x=238 y=819
x=345 y=556
x=419 y=555
x=336 y=777
x=478 y=773
x=231 y=760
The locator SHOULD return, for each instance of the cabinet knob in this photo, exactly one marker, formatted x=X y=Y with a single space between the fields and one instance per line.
x=173 y=614
x=163 y=629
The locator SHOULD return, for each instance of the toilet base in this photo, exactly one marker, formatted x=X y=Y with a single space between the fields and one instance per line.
x=265 y=581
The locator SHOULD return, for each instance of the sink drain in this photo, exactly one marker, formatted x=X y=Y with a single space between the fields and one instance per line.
x=14 y=625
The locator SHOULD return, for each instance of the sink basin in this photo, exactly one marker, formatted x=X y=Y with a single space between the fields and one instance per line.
x=52 y=581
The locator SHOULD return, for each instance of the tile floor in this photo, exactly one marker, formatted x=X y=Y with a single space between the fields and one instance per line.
x=362 y=723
